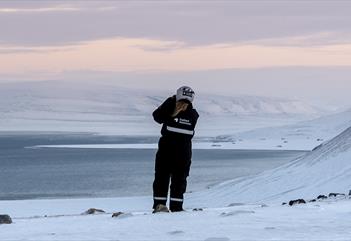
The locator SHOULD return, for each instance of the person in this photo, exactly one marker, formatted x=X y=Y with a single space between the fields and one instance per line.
x=173 y=158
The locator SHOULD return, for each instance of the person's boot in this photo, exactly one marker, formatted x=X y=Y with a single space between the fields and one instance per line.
x=178 y=209
x=160 y=208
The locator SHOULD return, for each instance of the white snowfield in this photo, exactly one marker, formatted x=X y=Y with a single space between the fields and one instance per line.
x=242 y=209
x=314 y=221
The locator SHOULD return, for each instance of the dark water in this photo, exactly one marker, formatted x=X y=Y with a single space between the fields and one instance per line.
x=27 y=173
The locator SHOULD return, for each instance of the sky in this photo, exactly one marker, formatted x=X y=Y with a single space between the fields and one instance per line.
x=294 y=49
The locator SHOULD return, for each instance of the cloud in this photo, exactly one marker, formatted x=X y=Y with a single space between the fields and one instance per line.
x=192 y=22
x=145 y=55
x=39 y=10
x=56 y=8
x=312 y=39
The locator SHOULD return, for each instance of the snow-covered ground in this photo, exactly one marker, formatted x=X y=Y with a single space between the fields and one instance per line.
x=244 y=209
x=314 y=221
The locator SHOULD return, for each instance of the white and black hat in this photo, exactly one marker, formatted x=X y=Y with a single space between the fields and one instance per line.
x=185 y=93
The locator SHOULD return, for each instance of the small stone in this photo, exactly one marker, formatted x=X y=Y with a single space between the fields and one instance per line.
x=284 y=203
x=350 y=193
x=337 y=195
x=297 y=201
x=93 y=211
x=115 y=215
x=5 y=219
x=313 y=200
x=322 y=197
x=197 y=209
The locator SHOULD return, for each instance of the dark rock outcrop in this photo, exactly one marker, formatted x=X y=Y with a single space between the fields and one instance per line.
x=322 y=197
x=5 y=219
x=115 y=215
x=297 y=201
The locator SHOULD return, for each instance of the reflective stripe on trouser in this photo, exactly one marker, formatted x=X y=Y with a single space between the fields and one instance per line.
x=178 y=187
x=160 y=198
x=176 y=199
x=161 y=185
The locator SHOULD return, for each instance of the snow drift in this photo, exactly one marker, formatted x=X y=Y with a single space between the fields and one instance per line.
x=324 y=170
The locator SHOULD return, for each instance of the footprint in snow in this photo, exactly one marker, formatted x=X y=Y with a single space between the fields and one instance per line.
x=236 y=204
x=269 y=228
x=233 y=213
x=176 y=232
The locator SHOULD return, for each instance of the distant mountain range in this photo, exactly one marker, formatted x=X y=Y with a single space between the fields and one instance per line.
x=106 y=108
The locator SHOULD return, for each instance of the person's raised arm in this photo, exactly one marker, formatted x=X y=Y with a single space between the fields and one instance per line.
x=163 y=113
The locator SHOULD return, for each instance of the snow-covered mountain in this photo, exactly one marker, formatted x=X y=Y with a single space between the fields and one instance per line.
x=325 y=170
x=304 y=135
x=106 y=108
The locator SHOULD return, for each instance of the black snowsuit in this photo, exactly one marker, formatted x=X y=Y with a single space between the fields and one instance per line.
x=173 y=158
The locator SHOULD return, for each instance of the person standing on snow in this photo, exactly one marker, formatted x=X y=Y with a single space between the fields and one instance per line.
x=173 y=158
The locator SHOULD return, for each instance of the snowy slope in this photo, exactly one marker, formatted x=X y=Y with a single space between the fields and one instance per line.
x=104 y=107
x=324 y=170
x=304 y=135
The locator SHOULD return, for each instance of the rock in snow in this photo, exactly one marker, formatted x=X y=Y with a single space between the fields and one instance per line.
x=337 y=195
x=5 y=219
x=117 y=214
x=298 y=201
x=93 y=211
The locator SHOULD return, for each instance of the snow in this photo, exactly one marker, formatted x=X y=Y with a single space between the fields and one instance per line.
x=248 y=208
x=324 y=170
x=304 y=135
x=102 y=107
x=313 y=221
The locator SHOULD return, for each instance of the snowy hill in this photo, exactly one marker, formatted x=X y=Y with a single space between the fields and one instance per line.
x=104 y=107
x=304 y=135
x=324 y=170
